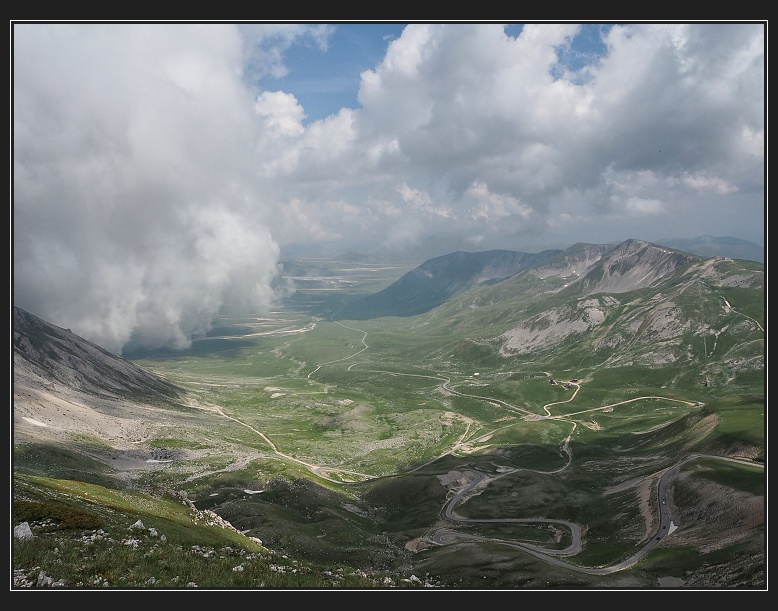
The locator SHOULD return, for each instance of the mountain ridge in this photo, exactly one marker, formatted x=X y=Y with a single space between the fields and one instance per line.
x=614 y=268
x=631 y=304
x=439 y=279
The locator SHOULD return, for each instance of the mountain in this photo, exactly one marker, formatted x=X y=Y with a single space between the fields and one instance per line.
x=439 y=279
x=67 y=390
x=46 y=353
x=632 y=304
x=625 y=267
x=92 y=479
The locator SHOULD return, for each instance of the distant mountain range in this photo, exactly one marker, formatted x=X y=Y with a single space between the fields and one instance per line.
x=530 y=301
x=710 y=246
x=441 y=244
x=537 y=299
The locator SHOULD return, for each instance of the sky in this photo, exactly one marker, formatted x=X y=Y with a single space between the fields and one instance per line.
x=161 y=171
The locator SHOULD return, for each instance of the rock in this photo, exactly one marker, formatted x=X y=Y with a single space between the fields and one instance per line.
x=23 y=532
x=44 y=581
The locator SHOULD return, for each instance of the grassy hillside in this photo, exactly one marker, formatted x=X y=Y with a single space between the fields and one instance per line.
x=89 y=537
x=339 y=444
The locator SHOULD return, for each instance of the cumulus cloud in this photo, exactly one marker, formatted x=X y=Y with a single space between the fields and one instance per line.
x=156 y=181
x=456 y=105
x=283 y=114
x=137 y=212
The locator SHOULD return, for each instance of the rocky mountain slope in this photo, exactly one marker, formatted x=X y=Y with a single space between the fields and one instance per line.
x=45 y=353
x=630 y=304
x=67 y=389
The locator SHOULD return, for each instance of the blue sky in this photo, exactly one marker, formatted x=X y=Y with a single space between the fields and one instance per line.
x=161 y=171
x=324 y=80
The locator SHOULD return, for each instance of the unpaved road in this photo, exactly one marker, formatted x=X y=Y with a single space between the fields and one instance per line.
x=446 y=536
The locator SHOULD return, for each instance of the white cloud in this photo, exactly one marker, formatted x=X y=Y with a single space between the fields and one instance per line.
x=635 y=205
x=700 y=181
x=281 y=111
x=422 y=202
x=264 y=45
x=137 y=214
x=491 y=207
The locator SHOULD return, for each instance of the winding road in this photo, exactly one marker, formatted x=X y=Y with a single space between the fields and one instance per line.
x=447 y=536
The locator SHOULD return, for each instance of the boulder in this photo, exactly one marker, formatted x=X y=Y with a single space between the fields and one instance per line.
x=23 y=532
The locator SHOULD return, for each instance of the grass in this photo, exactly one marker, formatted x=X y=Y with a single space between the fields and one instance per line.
x=83 y=537
x=734 y=476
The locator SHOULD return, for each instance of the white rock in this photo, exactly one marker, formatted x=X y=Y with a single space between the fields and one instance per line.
x=23 y=532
